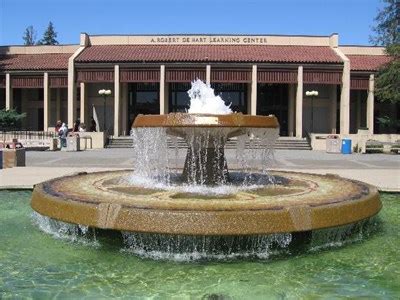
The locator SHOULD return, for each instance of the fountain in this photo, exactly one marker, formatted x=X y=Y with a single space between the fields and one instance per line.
x=201 y=205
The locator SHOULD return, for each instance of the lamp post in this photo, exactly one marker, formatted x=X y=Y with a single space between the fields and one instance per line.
x=312 y=94
x=104 y=93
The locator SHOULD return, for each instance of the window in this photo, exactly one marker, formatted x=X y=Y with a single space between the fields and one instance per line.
x=143 y=99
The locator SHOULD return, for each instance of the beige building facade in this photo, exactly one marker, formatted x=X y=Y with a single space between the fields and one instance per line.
x=258 y=75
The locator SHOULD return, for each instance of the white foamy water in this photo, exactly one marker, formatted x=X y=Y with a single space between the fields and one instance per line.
x=204 y=101
x=192 y=248
x=239 y=183
x=65 y=231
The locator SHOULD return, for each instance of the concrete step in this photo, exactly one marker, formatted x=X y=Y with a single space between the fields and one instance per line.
x=120 y=142
x=281 y=144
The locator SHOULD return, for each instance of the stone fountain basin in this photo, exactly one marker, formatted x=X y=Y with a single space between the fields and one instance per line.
x=302 y=202
x=205 y=120
x=184 y=124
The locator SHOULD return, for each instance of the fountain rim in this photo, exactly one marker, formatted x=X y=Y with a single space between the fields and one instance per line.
x=234 y=120
x=108 y=215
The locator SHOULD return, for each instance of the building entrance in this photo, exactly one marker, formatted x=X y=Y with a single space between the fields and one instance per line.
x=273 y=99
x=234 y=94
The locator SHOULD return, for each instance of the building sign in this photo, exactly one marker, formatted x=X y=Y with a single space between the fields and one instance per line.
x=204 y=39
x=208 y=40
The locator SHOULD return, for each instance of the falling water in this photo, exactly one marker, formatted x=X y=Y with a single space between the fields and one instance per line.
x=206 y=173
x=150 y=154
x=159 y=166
x=193 y=248
x=65 y=231
x=189 y=248
x=255 y=151
x=205 y=160
x=338 y=236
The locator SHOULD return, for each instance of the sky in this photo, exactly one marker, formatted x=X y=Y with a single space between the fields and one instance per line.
x=352 y=19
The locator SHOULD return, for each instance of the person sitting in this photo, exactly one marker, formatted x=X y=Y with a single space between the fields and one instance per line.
x=82 y=127
x=76 y=126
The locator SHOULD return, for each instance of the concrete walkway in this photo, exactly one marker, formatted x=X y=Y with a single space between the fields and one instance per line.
x=381 y=170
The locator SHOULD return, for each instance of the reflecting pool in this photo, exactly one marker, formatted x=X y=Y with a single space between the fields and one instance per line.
x=35 y=264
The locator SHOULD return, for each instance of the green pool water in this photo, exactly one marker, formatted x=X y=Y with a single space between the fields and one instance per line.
x=34 y=264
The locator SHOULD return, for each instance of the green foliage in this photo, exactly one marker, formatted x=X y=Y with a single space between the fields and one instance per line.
x=387 y=24
x=10 y=119
x=388 y=122
x=388 y=78
x=49 y=36
x=29 y=36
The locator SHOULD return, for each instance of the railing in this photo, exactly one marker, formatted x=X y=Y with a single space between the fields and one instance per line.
x=26 y=135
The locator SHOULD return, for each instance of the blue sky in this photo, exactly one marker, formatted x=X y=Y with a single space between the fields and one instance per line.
x=352 y=19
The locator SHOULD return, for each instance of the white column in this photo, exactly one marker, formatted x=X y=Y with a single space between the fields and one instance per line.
x=333 y=108
x=208 y=74
x=253 y=105
x=83 y=103
x=9 y=93
x=299 y=103
x=345 y=99
x=370 y=104
x=117 y=100
x=58 y=104
x=46 y=101
x=71 y=94
x=162 y=89
x=291 y=107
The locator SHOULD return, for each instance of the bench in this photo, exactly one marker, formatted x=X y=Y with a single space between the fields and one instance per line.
x=372 y=146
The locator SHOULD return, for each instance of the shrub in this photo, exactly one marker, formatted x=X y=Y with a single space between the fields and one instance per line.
x=10 y=119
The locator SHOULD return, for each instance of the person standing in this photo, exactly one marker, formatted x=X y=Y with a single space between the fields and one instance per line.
x=62 y=134
x=58 y=126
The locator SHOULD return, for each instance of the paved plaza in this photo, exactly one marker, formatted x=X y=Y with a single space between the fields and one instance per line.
x=293 y=159
x=381 y=170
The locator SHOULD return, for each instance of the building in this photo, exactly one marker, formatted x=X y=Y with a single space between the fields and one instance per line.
x=150 y=74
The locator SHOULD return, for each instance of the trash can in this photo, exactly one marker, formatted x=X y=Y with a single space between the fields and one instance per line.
x=73 y=143
x=20 y=154
x=346 y=146
x=82 y=143
x=333 y=144
x=53 y=144
x=13 y=158
x=8 y=158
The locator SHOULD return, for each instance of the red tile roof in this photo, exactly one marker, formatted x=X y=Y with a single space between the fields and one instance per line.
x=208 y=53
x=48 y=61
x=367 y=62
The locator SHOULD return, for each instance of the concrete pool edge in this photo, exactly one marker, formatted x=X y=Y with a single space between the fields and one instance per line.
x=384 y=179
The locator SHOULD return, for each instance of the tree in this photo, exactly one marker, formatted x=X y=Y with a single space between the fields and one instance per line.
x=29 y=36
x=388 y=78
x=49 y=36
x=387 y=24
x=10 y=119
x=387 y=32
